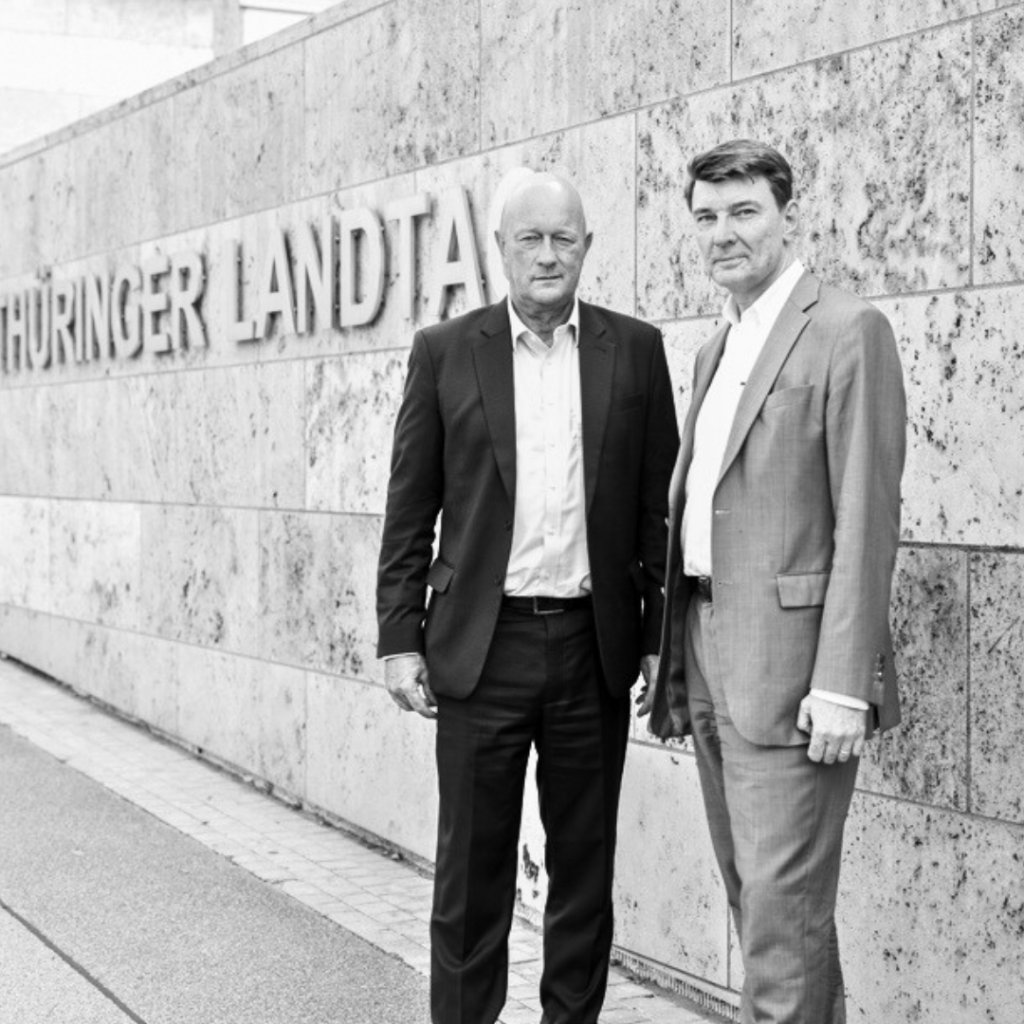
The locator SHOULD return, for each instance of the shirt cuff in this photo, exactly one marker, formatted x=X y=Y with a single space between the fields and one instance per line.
x=841 y=698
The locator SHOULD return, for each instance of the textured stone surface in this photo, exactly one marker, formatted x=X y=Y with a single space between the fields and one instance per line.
x=930 y=915
x=317 y=578
x=200 y=575
x=670 y=904
x=249 y=713
x=999 y=169
x=771 y=34
x=240 y=140
x=879 y=141
x=964 y=374
x=556 y=64
x=352 y=404
x=25 y=578
x=371 y=763
x=997 y=707
x=926 y=758
x=683 y=340
x=430 y=110
x=95 y=555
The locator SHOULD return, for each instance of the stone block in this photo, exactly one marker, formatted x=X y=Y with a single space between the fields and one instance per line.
x=95 y=556
x=930 y=915
x=997 y=708
x=670 y=902
x=879 y=141
x=926 y=758
x=768 y=34
x=351 y=408
x=317 y=591
x=998 y=178
x=964 y=375
x=249 y=713
x=542 y=75
x=370 y=763
x=683 y=339
x=200 y=575
x=25 y=579
x=431 y=109
x=240 y=139
x=20 y=248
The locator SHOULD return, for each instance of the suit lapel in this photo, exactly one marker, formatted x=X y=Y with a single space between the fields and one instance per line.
x=597 y=370
x=492 y=357
x=784 y=333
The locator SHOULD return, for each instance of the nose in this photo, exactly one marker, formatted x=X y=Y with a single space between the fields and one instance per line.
x=546 y=252
x=723 y=233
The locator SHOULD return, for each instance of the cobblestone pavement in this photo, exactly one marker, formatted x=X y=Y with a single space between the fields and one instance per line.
x=384 y=900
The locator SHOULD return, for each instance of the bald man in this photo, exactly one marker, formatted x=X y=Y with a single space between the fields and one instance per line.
x=542 y=430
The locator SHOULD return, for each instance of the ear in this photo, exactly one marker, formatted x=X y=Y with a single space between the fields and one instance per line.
x=791 y=220
x=587 y=241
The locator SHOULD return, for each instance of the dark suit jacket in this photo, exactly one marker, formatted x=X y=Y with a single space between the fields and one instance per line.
x=805 y=525
x=455 y=454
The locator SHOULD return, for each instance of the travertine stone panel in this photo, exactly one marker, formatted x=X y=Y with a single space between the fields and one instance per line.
x=370 y=763
x=683 y=340
x=20 y=246
x=998 y=168
x=555 y=64
x=246 y=712
x=431 y=108
x=964 y=373
x=132 y=169
x=240 y=140
x=351 y=406
x=95 y=551
x=670 y=902
x=25 y=552
x=925 y=759
x=771 y=34
x=58 y=203
x=930 y=915
x=317 y=585
x=200 y=576
x=879 y=141
x=997 y=682
x=599 y=159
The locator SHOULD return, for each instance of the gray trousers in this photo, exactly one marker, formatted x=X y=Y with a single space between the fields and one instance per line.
x=776 y=821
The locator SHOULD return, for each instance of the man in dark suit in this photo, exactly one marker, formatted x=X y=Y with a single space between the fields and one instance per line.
x=783 y=528
x=542 y=430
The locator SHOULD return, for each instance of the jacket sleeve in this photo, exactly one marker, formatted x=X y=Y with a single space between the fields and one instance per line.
x=865 y=425
x=660 y=447
x=415 y=492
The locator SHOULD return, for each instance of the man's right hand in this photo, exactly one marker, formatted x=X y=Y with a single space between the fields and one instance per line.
x=405 y=676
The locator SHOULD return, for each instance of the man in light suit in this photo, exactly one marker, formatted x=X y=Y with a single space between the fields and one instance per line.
x=542 y=430
x=783 y=527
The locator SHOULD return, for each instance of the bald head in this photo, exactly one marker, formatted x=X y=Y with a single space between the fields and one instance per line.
x=543 y=239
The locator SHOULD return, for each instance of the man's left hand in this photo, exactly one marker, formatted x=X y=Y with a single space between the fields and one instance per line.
x=837 y=732
x=649 y=670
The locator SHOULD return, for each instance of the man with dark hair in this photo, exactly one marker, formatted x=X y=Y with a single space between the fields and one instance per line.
x=784 y=522
x=542 y=430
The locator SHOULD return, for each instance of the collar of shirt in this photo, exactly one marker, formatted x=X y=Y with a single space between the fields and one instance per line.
x=765 y=311
x=518 y=328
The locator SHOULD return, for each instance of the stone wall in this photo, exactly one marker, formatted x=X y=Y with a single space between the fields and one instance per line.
x=190 y=533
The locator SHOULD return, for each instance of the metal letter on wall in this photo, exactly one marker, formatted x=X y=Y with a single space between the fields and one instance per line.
x=276 y=294
x=38 y=328
x=63 y=296
x=361 y=239
x=456 y=236
x=125 y=313
x=405 y=211
x=314 y=277
x=96 y=326
x=238 y=326
x=185 y=290
x=154 y=303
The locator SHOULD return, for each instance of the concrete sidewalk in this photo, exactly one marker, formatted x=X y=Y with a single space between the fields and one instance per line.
x=138 y=883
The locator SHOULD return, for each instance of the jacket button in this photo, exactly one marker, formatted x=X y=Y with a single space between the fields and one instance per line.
x=498 y=580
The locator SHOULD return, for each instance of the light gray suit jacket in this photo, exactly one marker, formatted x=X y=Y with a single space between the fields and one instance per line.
x=805 y=523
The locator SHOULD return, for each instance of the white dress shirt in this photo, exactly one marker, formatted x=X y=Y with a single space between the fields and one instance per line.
x=747 y=335
x=549 y=532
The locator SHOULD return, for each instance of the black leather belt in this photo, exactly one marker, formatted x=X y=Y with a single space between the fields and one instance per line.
x=701 y=585
x=535 y=605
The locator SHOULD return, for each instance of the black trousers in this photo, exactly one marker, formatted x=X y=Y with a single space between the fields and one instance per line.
x=542 y=686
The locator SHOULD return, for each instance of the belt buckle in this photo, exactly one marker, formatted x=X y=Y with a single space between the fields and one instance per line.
x=537 y=610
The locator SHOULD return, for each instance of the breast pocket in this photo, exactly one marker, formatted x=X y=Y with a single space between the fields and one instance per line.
x=787 y=398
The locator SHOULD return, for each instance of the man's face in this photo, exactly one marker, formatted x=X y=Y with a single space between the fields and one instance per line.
x=744 y=238
x=543 y=241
